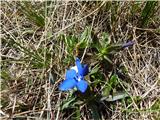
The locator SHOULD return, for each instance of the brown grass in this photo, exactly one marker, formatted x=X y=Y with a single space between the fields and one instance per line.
x=26 y=91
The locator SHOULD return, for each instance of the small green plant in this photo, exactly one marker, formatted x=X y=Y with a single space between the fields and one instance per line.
x=148 y=12
x=32 y=14
x=99 y=85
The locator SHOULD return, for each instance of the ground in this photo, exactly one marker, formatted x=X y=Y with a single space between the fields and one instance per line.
x=41 y=40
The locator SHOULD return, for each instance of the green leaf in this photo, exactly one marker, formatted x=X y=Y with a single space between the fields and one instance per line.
x=32 y=14
x=148 y=12
x=112 y=48
x=86 y=35
x=104 y=41
x=67 y=103
x=105 y=57
x=95 y=69
x=112 y=82
x=94 y=111
x=77 y=114
x=156 y=105
x=70 y=42
x=28 y=31
x=5 y=75
x=117 y=96
x=114 y=11
x=5 y=79
x=82 y=44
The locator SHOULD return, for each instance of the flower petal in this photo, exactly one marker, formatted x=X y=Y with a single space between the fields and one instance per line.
x=130 y=43
x=85 y=70
x=67 y=84
x=82 y=85
x=79 y=66
x=70 y=74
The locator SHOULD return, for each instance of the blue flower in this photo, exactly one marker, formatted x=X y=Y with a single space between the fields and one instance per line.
x=130 y=43
x=75 y=77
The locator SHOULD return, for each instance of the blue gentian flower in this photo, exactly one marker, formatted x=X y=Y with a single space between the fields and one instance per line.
x=130 y=43
x=75 y=77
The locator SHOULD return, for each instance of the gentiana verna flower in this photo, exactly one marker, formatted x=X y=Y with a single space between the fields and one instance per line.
x=130 y=43
x=75 y=77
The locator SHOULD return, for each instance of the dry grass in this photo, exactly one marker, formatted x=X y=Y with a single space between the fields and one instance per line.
x=32 y=58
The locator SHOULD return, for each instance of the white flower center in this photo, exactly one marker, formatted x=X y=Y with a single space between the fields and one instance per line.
x=79 y=78
x=75 y=68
